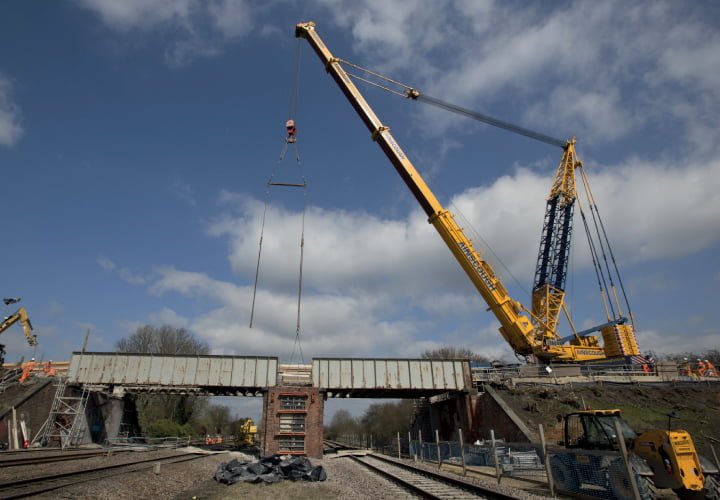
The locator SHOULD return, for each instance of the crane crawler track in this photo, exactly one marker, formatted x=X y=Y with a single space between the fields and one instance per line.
x=41 y=484
x=424 y=483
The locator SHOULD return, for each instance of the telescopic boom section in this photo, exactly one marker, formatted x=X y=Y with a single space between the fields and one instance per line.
x=516 y=327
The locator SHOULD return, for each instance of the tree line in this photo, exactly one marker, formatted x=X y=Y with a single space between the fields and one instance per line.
x=162 y=415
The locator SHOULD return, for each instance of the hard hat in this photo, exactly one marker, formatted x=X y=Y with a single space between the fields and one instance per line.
x=685 y=359
x=32 y=359
x=707 y=361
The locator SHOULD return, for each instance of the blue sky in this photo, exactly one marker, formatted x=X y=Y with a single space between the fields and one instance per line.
x=136 y=139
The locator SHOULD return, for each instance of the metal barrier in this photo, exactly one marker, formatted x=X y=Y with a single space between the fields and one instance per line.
x=171 y=442
x=584 y=473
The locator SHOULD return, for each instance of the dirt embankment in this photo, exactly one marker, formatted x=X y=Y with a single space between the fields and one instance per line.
x=645 y=407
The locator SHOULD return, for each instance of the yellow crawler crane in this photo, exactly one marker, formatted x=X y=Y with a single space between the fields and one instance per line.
x=531 y=333
x=658 y=459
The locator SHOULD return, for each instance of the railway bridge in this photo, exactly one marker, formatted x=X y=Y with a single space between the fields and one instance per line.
x=293 y=395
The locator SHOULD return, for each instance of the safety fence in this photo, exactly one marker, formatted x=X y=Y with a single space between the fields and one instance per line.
x=540 y=467
x=636 y=373
x=170 y=442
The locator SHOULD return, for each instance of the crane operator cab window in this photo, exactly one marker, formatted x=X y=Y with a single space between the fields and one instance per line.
x=596 y=432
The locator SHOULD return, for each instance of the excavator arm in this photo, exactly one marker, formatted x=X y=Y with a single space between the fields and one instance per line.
x=21 y=316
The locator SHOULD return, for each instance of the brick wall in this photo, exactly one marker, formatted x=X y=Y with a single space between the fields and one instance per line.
x=32 y=401
x=293 y=415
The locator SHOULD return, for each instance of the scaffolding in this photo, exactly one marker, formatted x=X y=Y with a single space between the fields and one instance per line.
x=65 y=424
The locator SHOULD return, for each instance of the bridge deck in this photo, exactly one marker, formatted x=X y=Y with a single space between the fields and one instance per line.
x=245 y=375
x=145 y=371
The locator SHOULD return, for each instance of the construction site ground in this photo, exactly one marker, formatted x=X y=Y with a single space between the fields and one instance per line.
x=644 y=406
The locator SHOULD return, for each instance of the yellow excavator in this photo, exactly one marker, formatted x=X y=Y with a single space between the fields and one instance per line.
x=247 y=434
x=531 y=332
x=664 y=459
x=21 y=316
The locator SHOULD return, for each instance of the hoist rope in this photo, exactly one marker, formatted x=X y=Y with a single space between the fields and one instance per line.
x=602 y=234
x=292 y=110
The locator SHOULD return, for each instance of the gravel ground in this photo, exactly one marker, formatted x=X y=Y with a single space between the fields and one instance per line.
x=194 y=480
x=30 y=471
x=172 y=480
x=345 y=480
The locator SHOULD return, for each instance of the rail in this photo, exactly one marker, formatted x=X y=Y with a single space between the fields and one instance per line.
x=42 y=484
x=427 y=483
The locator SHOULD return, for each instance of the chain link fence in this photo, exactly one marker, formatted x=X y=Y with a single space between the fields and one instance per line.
x=555 y=470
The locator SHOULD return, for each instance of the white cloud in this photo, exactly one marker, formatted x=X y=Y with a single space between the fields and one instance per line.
x=167 y=316
x=556 y=69
x=142 y=15
x=193 y=28
x=105 y=263
x=379 y=286
x=123 y=272
x=11 y=129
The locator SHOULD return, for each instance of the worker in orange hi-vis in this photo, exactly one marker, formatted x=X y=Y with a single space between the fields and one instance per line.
x=710 y=370
x=27 y=370
x=700 y=370
x=49 y=370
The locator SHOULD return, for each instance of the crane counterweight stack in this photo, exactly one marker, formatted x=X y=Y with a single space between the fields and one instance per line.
x=531 y=333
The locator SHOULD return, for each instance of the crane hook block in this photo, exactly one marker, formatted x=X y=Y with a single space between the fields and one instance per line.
x=291 y=131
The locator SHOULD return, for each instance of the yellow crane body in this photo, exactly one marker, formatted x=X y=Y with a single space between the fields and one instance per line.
x=529 y=333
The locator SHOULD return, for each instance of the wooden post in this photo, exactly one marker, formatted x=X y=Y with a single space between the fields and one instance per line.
x=437 y=446
x=14 y=430
x=628 y=467
x=495 y=457
x=420 y=444
x=371 y=442
x=548 y=469
x=462 y=452
x=399 y=449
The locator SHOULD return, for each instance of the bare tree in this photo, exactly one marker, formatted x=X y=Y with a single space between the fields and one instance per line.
x=165 y=339
x=341 y=423
x=451 y=352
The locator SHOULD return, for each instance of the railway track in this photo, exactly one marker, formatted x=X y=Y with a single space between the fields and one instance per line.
x=424 y=483
x=41 y=484
x=333 y=446
x=20 y=459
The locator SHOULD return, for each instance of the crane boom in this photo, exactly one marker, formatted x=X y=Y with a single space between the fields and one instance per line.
x=527 y=333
